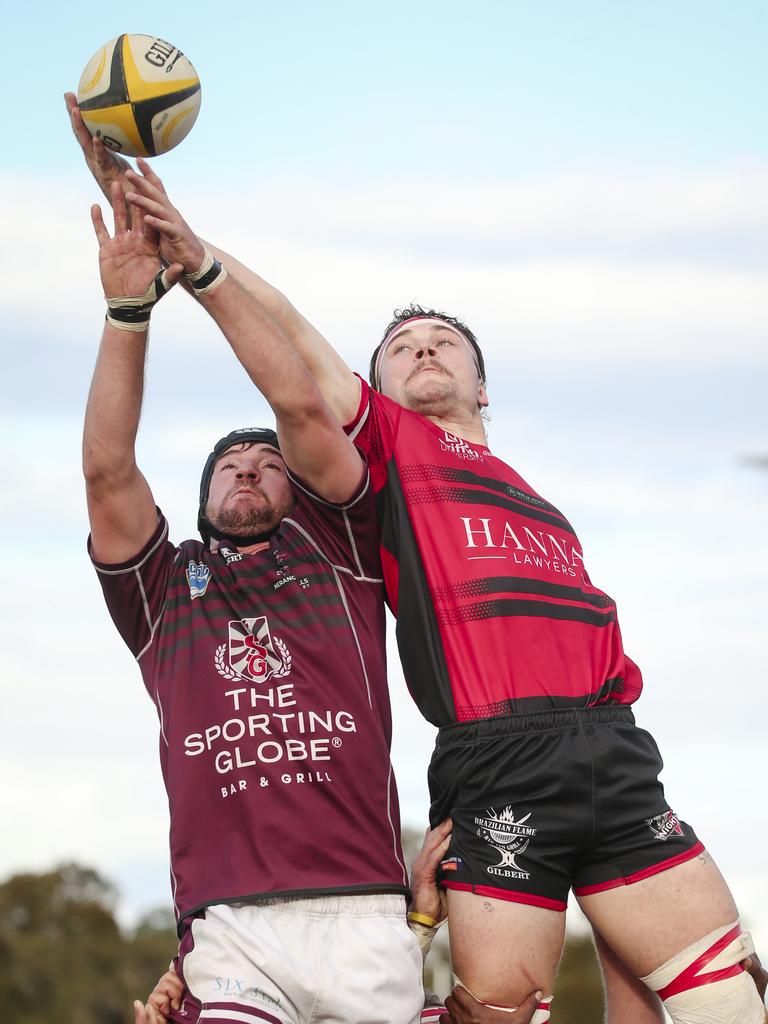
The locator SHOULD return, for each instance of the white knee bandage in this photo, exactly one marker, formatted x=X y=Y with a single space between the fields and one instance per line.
x=706 y=984
x=541 y=1013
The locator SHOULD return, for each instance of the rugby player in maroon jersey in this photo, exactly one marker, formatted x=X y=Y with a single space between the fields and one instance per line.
x=262 y=649
x=643 y=879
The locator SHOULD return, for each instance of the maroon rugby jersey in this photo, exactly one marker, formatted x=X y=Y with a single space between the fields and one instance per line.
x=269 y=676
x=495 y=611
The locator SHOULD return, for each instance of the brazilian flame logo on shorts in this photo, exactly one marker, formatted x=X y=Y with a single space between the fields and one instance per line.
x=510 y=837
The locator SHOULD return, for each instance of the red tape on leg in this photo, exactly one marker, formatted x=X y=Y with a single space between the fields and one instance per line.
x=690 y=978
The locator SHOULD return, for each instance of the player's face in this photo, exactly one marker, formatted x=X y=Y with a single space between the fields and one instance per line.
x=249 y=491
x=431 y=369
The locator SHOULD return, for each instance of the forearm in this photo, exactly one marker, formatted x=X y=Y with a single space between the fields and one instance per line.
x=114 y=405
x=121 y=509
x=268 y=357
x=338 y=385
x=312 y=442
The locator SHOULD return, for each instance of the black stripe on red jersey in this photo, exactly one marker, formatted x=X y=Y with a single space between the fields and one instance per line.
x=519 y=585
x=425 y=473
x=513 y=607
x=418 y=634
x=467 y=714
x=469 y=496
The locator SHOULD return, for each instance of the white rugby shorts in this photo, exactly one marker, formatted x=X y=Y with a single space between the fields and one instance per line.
x=302 y=960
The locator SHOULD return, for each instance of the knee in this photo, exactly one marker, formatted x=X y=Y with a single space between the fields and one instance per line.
x=706 y=983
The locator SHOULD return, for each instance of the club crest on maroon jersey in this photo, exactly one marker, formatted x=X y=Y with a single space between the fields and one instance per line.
x=507 y=836
x=198 y=577
x=252 y=654
x=665 y=825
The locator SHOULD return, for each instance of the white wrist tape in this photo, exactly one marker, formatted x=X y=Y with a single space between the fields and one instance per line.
x=425 y=935
x=706 y=984
x=132 y=312
x=209 y=275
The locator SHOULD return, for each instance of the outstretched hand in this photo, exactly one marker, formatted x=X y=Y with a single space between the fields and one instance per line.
x=178 y=242
x=464 y=1009
x=106 y=167
x=128 y=261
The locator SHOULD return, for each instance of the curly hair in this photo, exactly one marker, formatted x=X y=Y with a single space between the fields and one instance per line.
x=414 y=310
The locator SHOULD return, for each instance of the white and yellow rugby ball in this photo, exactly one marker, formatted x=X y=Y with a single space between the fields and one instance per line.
x=139 y=94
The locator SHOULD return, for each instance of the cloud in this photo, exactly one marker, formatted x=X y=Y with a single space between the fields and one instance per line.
x=578 y=268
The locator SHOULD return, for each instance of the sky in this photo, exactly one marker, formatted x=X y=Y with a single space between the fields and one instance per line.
x=585 y=184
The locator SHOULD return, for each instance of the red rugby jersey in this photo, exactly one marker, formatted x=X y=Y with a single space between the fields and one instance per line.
x=496 y=614
x=269 y=676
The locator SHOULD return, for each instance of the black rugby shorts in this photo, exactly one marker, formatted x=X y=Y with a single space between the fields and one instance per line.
x=553 y=801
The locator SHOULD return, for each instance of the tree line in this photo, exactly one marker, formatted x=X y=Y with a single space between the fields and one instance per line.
x=64 y=957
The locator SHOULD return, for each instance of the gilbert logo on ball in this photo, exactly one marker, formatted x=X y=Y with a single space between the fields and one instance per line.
x=139 y=95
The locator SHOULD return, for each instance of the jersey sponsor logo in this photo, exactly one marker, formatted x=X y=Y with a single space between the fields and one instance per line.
x=198 y=577
x=665 y=825
x=522 y=545
x=252 y=653
x=229 y=555
x=458 y=446
x=509 y=837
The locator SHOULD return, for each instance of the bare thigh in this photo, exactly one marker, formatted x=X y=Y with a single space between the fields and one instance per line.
x=648 y=922
x=502 y=951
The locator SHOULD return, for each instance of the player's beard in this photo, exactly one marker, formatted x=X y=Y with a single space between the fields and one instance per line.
x=249 y=520
x=434 y=395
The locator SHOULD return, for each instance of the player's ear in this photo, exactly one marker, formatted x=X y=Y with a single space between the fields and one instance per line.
x=482 y=396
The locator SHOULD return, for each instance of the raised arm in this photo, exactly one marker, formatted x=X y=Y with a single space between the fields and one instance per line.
x=311 y=439
x=339 y=386
x=121 y=508
x=337 y=383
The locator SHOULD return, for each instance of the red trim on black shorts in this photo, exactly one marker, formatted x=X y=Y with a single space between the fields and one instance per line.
x=638 y=876
x=506 y=894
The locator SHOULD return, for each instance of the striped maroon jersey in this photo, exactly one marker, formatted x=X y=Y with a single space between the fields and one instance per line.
x=496 y=614
x=268 y=672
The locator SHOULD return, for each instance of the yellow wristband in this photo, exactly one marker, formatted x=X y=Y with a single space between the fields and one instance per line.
x=425 y=919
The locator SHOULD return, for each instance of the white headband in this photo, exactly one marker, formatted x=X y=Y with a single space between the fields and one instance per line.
x=403 y=325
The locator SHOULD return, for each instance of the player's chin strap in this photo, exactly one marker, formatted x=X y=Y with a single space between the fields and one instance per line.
x=706 y=984
x=132 y=312
x=541 y=1013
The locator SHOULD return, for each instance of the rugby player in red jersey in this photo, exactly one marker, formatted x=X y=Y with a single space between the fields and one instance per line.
x=550 y=784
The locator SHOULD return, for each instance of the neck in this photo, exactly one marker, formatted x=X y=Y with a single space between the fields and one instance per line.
x=251 y=549
x=470 y=429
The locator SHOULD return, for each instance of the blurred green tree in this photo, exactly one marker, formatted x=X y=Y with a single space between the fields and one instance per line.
x=63 y=956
